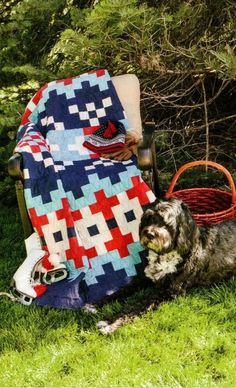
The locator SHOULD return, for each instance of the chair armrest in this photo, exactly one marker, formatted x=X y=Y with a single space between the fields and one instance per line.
x=146 y=148
x=145 y=158
x=15 y=167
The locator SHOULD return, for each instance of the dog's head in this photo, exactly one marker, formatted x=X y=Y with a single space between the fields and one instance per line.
x=167 y=225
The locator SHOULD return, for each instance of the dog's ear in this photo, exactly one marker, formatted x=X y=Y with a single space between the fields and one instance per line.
x=169 y=209
x=187 y=230
x=147 y=214
x=145 y=219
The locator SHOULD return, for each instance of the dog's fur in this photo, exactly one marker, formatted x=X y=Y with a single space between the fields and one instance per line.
x=193 y=255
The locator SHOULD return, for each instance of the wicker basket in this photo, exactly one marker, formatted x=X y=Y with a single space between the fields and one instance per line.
x=208 y=205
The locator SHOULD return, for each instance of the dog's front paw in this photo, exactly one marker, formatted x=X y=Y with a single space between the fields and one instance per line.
x=104 y=327
x=89 y=308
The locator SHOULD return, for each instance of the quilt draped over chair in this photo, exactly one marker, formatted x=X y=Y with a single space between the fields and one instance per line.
x=84 y=207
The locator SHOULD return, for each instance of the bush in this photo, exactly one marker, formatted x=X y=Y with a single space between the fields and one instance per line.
x=182 y=51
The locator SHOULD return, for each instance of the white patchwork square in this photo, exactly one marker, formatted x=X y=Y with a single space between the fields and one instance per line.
x=101 y=112
x=150 y=196
x=107 y=102
x=87 y=168
x=44 y=121
x=90 y=107
x=68 y=163
x=31 y=105
x=59 y=126
x=54 y=147
x=26 y=173
x=59 y=168
x=73 y=109
x=108 y=164
x=50 y=120
x=38 y=156
x=48 y=162
x=31 y=126
x=84 y=115
x=94 y=122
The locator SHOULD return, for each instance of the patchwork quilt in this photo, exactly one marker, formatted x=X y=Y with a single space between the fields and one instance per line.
x=84 y=207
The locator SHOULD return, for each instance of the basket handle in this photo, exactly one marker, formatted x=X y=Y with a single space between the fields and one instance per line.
x=202 y=163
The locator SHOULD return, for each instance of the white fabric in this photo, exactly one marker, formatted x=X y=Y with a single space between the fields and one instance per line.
x=128 y=89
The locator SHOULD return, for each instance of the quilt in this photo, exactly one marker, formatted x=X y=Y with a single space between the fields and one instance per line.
x=83 y=207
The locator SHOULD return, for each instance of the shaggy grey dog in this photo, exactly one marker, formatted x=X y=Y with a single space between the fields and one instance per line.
x=180 y=254
x=192 y=255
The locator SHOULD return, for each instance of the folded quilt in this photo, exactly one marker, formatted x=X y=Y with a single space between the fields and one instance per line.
x=84 y=207
x=107 y=138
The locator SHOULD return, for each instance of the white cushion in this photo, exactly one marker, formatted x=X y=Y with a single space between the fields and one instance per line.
x=128 y=89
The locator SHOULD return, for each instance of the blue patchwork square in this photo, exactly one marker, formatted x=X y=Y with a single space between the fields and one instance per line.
x=130 y=216
x=57 y=236
x=93 y=230
x=71 y=232
x=43 y=241
x=111 y=223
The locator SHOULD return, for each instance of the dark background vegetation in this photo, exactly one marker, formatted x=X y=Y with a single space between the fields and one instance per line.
x=182 y=51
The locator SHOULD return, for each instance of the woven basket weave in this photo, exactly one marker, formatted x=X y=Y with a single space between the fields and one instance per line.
x=208 y=205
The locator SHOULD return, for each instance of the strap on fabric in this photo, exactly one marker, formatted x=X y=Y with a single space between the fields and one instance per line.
x=10 y=296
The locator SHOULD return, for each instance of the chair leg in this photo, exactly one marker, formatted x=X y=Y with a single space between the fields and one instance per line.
x=147 y=158
x=148 y=165
x=27 y=226
x=155 y=177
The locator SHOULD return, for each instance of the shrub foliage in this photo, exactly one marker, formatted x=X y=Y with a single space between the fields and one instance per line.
x=182 y=51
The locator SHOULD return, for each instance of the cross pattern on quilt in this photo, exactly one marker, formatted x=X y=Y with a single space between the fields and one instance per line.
x=89 y=112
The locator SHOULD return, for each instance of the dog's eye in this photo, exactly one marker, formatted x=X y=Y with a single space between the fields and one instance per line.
x=147 y=217
x=158 y=220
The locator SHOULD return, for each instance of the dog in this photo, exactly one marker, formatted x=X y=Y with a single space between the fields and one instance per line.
x=180 y=255
x=177 y=248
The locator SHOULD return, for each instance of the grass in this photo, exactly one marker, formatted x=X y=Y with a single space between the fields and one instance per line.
x=189 y=342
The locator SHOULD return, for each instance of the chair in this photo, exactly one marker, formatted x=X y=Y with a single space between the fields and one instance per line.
x=110 y=264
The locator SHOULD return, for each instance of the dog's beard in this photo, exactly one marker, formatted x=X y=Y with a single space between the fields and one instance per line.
x=161 y=265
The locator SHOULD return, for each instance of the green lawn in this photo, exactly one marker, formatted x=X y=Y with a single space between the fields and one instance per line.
x=189 y=342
